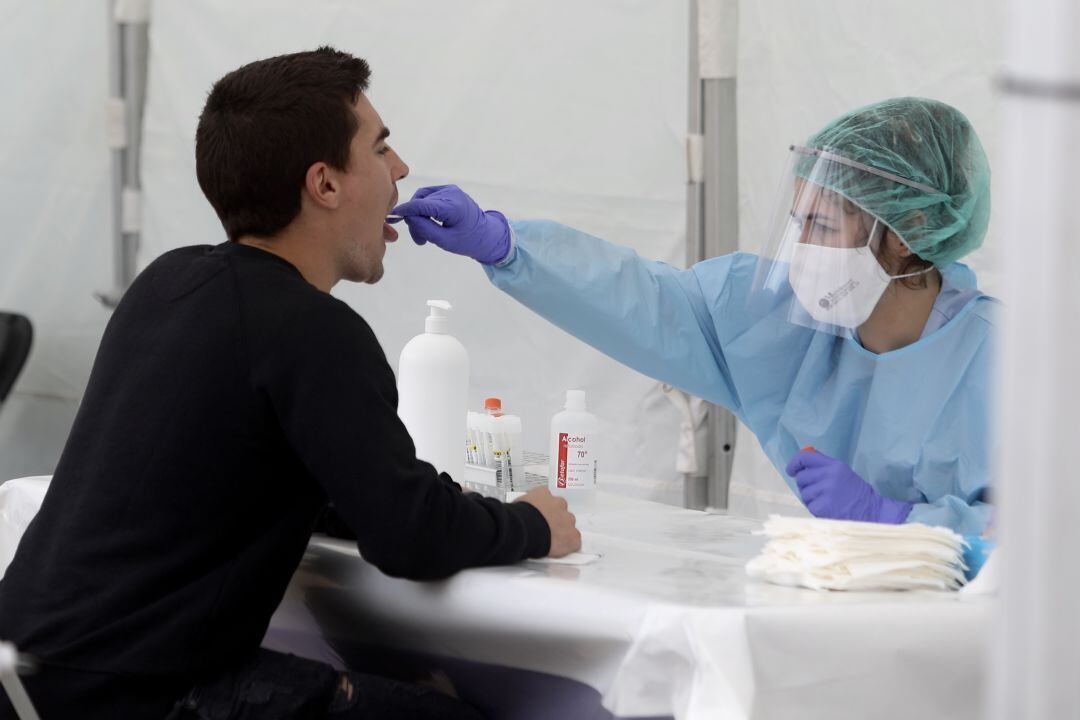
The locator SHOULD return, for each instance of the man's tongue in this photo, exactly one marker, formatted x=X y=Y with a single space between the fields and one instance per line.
x=389 y=233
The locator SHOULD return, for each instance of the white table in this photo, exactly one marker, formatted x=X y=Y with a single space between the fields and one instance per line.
x=666 y=623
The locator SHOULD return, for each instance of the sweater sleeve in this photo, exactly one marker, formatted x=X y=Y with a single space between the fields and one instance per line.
x=335 y=398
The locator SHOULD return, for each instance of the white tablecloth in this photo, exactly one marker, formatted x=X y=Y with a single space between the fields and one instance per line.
x=666 y=623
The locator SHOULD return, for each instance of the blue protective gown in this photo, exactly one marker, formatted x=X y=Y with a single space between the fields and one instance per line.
x=915 y=423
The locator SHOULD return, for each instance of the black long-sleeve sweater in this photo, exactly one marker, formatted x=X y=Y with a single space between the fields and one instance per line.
x=228 y=402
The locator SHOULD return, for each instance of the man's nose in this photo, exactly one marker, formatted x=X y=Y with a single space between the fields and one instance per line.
x=401 y=171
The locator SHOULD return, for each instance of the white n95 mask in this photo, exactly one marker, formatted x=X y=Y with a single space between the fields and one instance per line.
x=838 y=286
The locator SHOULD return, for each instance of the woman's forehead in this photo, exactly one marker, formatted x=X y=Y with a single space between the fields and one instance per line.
x=809 y=197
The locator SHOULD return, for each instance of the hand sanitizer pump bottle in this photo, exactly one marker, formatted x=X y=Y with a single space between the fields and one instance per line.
x=433 y=386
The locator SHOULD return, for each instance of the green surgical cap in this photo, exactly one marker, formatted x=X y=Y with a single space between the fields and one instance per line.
x=929 y=143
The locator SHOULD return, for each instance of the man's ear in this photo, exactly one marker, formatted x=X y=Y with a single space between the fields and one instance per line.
x=322 y=186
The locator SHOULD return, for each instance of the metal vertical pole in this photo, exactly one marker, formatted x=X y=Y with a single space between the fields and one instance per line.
x=135 y=35
x=713 y=201
x=695 y=219
x=116 y=152
x=128 y=37
x=721 y=237
x=696 y=486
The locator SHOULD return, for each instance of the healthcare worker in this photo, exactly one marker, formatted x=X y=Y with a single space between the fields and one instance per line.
x=854 y=346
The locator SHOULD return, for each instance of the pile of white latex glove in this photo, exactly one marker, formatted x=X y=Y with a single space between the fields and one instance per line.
x=842 y=555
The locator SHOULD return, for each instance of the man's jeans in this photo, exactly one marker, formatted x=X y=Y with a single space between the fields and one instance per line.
x=272 y=685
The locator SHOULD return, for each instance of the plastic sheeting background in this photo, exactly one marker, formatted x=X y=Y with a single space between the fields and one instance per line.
x=55 y=248
x=573 y=111
x=565 y=110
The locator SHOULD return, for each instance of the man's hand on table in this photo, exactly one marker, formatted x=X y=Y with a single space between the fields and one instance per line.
x=565 y=538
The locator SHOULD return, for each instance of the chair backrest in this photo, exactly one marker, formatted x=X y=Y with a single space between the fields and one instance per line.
x=16 y=336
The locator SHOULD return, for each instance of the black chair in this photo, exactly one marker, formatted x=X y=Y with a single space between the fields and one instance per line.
x=16 y=336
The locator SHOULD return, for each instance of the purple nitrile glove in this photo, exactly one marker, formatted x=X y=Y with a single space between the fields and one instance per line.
x=830 y=489
x=465 y=229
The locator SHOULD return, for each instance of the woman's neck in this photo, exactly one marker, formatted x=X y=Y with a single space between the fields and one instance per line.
x=900 y=315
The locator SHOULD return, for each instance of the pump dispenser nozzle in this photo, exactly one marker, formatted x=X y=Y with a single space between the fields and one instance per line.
x=438 y=321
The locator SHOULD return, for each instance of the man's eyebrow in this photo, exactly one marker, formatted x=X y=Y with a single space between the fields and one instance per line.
x=383 y=134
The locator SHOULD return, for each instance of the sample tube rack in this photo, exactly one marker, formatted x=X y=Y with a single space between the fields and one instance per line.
x=507 y=482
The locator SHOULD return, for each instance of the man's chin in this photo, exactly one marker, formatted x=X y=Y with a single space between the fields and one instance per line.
x=369 y=275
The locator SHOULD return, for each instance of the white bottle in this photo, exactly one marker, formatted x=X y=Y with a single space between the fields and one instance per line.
x=433 y=388
x=573 y=458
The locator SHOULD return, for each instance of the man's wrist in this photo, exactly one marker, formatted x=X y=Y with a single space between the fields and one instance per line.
x=537 y=530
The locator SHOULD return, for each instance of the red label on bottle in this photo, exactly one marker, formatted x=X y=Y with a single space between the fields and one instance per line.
x=560 y=477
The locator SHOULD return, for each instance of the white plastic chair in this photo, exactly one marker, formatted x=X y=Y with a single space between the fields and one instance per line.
x=9 y=677
x=19 y=502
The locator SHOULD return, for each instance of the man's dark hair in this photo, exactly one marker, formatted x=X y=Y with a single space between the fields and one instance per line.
x=265 y=124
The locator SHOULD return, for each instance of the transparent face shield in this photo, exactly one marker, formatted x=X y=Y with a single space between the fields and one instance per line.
x=819 y=265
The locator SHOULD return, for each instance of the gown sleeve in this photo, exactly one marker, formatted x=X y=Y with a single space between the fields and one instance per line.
x=647 y=315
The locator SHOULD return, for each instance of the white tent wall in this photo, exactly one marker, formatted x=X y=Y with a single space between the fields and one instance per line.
x=800 y=64
x=558 y=109
x=572 y=111
x=55 y=248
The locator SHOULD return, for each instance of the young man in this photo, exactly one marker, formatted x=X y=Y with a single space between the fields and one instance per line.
x=231 y=398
